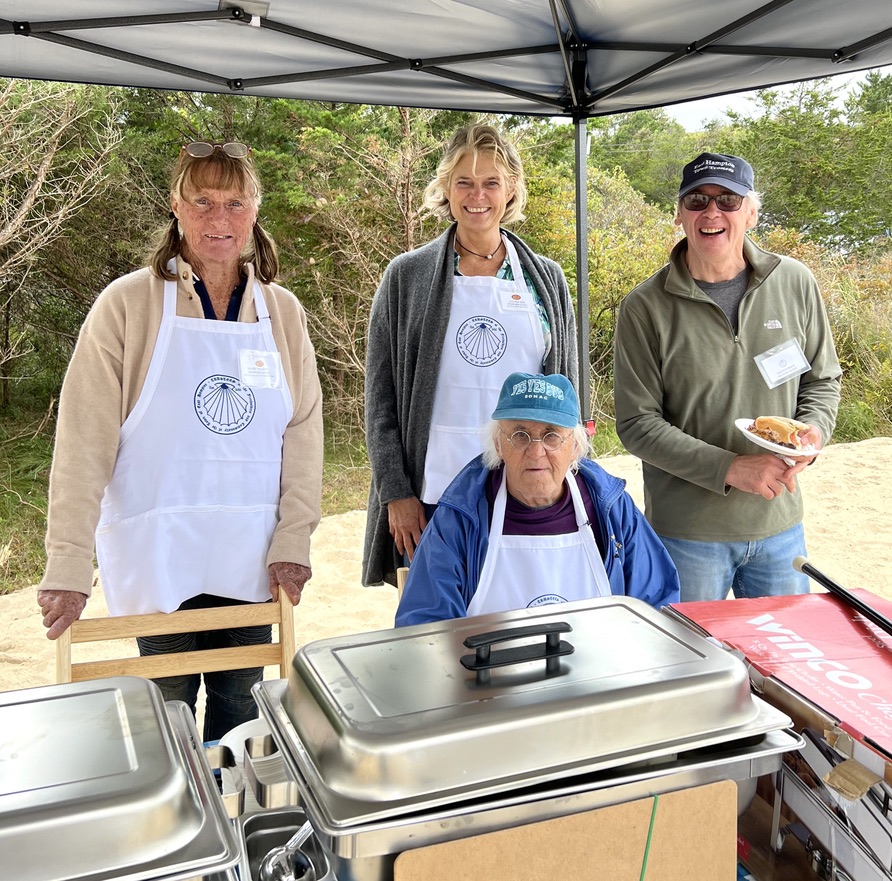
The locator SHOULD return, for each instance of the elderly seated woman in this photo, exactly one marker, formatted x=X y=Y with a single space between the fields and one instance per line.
x=532 y=521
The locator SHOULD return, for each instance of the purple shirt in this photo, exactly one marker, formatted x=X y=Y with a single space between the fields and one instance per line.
x=556 y=519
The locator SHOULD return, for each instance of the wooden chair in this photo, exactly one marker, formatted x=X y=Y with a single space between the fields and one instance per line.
x=401 y=575
x=130 y=626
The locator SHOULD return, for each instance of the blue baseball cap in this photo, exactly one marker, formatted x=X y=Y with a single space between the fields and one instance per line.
x=731 y=172
x=535 y=397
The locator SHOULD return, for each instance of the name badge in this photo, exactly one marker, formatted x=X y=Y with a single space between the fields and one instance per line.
x=782 y=363
x=517 y=301
x=259 y=369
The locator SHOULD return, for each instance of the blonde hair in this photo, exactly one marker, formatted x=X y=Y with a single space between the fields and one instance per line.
x=219 y=172
x=472 y=140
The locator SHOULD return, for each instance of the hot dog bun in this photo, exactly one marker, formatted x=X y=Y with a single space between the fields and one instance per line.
x=779 y=430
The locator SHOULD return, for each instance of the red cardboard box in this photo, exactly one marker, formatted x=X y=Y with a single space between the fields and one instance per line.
x=818 y=660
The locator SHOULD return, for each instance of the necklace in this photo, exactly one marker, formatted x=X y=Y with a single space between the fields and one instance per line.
x=484 y=256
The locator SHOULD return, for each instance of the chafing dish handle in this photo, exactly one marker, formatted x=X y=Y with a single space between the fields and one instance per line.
x=550 y=651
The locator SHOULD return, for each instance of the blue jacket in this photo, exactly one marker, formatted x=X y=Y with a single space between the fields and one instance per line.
x=447 y=564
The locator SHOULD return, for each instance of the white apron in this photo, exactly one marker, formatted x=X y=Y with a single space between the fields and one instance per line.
x=193 y=500
x=494 y=330
x=524 y=571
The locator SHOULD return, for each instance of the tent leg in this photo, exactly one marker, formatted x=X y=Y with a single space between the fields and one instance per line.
x=582 y=322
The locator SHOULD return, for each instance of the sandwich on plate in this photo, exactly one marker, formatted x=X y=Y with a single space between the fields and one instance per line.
x=779 y=430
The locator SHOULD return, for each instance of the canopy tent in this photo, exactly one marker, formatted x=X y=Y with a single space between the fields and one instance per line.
x=546 y=57
x=569 y=58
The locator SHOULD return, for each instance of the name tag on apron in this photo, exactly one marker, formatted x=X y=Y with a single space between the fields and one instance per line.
x=259 y=369
x=782 y=363
x=516 y=301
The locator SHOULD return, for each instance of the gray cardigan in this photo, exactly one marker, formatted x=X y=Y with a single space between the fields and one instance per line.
x=407 y=326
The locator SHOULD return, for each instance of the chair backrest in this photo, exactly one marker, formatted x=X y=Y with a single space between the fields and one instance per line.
x=84 y=630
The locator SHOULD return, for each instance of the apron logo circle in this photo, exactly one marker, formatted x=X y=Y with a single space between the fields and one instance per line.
x=547 y=599
x=481 y=341
x=224 y=404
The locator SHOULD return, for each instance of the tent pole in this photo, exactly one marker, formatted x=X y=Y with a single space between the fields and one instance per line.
x=582 y=329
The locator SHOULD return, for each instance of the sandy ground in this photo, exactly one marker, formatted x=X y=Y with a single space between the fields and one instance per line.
x=848 y=529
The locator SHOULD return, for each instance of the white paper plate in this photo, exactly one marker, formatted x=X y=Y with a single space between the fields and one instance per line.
x=780 y=449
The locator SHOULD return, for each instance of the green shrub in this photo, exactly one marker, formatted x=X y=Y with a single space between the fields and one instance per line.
x=25 y=455
x=858 y=297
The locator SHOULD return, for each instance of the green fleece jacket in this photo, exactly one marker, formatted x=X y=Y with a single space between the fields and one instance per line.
x=682 y=376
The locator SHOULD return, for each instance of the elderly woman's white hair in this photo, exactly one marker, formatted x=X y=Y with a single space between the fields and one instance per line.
x=492 y=458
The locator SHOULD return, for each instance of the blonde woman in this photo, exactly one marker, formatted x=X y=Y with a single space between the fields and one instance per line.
x=449 y=321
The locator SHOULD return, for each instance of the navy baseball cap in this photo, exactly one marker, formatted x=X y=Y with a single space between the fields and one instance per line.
x=534 y=397
x=731 y=172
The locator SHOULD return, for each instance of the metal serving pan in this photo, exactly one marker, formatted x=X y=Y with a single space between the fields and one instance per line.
x=442 y=710
x=101 y=780
x=330 y=810
x=362 y=840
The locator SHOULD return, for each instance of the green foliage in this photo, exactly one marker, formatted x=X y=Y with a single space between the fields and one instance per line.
x=858 y=297
x=25 y=454
x=549 y=228
x=343 y=187
x=606 y=442
x=819 y=172
x=55 y=161
x=346 y=478
x=366 y=169
x=649 y=146
x=629 y=240
x=872 y=96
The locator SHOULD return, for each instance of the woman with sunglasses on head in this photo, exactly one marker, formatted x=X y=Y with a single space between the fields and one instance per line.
x=448 y=322
x=533 y=522
x=189 y=437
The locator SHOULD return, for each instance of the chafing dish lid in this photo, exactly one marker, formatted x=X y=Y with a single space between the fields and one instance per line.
x=96 y=784
x=395 y=714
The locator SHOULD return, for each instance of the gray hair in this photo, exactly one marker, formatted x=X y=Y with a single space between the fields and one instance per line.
x=492 y=459
x=755 y=199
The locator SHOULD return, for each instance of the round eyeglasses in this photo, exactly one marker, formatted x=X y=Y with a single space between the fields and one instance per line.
x=723 y=201
x=522 y=440
x=202 y=149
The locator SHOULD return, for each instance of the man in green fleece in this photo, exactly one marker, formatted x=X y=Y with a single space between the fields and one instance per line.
x=724 y=331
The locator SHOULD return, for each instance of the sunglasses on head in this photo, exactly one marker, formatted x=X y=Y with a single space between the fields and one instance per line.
x=202 y=149
x=723 y=201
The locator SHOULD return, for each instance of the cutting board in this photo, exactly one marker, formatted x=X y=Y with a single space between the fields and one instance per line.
x=694 y=838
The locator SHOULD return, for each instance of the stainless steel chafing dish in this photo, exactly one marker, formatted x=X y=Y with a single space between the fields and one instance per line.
x=408 y=737
x=101 y=780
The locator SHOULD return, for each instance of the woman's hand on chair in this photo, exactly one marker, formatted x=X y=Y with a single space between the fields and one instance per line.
x=60 y=608
x=407 y=522
x=291 y=577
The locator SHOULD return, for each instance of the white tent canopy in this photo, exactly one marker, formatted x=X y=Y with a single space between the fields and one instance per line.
x=545 y=57
x=571 y=58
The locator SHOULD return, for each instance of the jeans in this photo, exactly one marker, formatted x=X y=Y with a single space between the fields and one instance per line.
x=709 y=569
x=229 y=700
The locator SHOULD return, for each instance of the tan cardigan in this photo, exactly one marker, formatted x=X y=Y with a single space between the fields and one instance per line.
x=102 y=385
